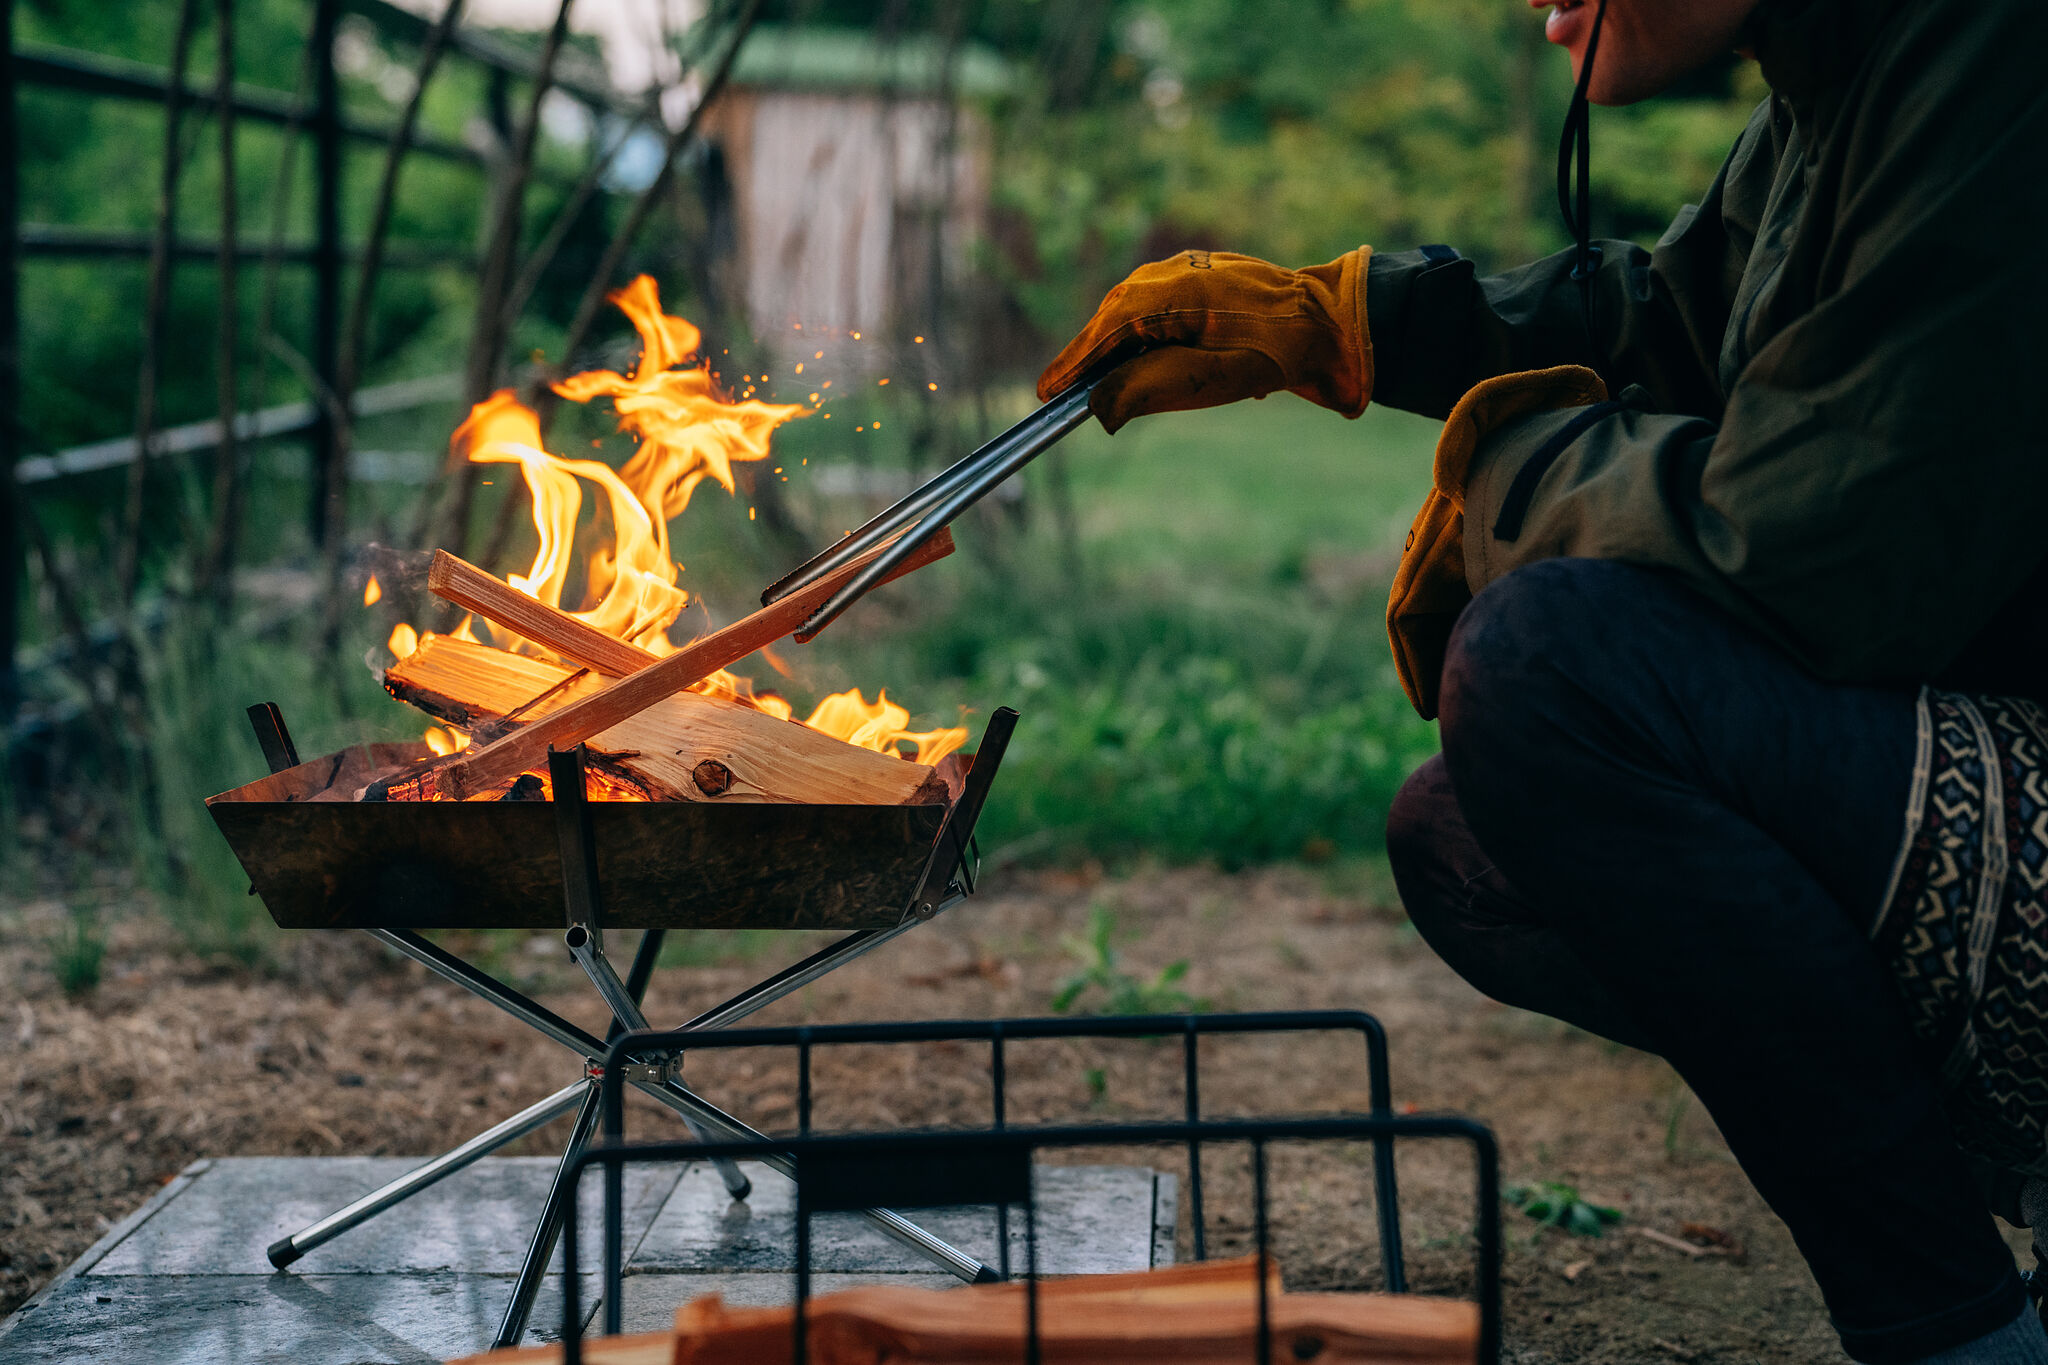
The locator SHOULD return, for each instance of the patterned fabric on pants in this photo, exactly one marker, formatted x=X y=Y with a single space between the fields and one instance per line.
x=1965 y=927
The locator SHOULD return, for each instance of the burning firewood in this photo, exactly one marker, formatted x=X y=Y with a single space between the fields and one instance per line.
x=600 y=710
x=633 y=699
x=685 y=747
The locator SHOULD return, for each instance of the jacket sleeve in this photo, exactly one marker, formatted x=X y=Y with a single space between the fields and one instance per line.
x=1876 y=486
x=1658 y=315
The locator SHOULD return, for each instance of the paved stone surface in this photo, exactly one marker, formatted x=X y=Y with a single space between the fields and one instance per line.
x=478 y=1219
x=264 y=1319
x=1091 y=1220
x=184 y=1279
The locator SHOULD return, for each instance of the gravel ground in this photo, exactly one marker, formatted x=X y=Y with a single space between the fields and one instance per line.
x=340 y=1049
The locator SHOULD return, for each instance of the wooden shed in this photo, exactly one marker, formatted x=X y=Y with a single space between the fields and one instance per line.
x=858 y=175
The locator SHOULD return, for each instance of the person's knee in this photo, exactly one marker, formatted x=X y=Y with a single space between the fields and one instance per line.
x=1525 y=664
x=1414 y=825
x=1430 y=851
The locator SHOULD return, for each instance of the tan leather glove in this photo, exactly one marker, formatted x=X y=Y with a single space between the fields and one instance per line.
x=1215 y=327
x=1429 y=587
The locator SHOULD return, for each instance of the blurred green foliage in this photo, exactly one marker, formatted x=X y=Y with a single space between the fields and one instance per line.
x=1296 y=129
x=1188 y=615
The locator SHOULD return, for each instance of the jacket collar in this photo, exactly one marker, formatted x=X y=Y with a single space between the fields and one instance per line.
x=1808 y=48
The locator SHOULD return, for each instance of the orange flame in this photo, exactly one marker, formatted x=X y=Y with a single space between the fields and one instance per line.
x=373 y=591
x=880 y=727
x=687 y=432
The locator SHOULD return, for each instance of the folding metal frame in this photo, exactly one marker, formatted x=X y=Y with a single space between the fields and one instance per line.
x=991 y=1167
x=947 y=879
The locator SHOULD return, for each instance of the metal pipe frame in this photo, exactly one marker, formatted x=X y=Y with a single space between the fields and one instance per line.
x=963 y=483
x=625 y=1007
x=673 y=1094
x=548 y=1229
x=289 y=1249
x=1033 y=437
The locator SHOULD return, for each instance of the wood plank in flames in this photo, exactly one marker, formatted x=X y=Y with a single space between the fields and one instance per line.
x=490 y=765
x=685 y=747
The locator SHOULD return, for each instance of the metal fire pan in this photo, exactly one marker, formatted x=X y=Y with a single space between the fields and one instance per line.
x=339 y=864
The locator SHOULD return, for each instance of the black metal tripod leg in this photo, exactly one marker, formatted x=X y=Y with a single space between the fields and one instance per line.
x=549 y=1229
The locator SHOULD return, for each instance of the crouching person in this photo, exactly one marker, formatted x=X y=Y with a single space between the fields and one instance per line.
x=1731 y=598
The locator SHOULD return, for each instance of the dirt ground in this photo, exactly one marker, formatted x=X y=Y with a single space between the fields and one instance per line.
x=341 y=1049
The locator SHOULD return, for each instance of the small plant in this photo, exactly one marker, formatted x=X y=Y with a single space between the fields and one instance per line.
x=1557 y=1205
x=1122 y=992
x=76 y=954
x=1097 y=1079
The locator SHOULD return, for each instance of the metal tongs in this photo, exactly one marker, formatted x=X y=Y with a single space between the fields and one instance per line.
x=921 y=515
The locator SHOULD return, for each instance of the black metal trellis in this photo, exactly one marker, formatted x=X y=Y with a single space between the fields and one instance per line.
x=991 y=1167
x=321 y=120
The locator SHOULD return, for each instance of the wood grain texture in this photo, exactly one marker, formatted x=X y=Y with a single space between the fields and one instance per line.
x=489 y=765
x=458 y=581
x=764 y=758
x=1190 y=1315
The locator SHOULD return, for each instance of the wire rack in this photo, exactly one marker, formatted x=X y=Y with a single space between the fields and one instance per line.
x=992 y=1166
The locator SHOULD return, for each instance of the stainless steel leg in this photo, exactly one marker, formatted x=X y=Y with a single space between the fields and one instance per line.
x=589 y=954
x=704 y=1116
x=801 y=974
x=284 y=1252
x=541 y=1249
x=709 y=1118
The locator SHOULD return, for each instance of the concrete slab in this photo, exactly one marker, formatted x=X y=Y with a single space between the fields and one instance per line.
x=1091 y=1220
x=406 y=1319
x=475 y=1220
x=184 y=1278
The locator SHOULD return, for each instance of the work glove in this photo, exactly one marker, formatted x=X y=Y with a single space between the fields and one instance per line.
x=1430 y=587
x=1211 y=327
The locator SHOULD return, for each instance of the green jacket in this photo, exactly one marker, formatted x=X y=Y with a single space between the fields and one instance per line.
x=1834 y=401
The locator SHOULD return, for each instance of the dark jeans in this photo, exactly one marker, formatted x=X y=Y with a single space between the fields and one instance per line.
x=1647 y=821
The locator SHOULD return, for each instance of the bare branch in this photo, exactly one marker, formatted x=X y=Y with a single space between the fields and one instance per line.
x=487 y=336
x=128 y=568
x=636 y=217
x=216 y=577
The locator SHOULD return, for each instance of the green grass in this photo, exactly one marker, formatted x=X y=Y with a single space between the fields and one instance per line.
x=1211 y=680
x=1197 y=648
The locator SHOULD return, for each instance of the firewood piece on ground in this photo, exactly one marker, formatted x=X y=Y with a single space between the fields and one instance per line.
x=492 y=764
x=1163 y=1315
x=458 y=581
x=662 y=748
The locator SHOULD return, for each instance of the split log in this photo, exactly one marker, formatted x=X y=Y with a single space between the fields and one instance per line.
x=492 y=764
x=967 y=1327
x=1187 y=1315
x=687 y=747
x=463 y=583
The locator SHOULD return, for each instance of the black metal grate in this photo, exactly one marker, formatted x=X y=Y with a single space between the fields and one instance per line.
x=991 y=1166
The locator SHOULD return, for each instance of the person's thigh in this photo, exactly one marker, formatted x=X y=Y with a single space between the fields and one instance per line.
x=1470 y=915
x=1711 y=830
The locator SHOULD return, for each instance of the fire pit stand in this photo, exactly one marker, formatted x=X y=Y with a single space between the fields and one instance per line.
x=946 y=879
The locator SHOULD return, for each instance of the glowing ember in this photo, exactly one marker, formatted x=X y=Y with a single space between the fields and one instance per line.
x=687 y=432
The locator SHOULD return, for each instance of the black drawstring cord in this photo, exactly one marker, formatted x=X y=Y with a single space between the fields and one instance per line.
x=1575 y=151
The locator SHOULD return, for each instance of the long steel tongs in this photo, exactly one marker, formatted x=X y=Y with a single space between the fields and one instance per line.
x=932 y=507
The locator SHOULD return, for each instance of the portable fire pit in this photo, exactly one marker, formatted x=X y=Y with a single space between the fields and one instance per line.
x=715 y=812
x=393 y=869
